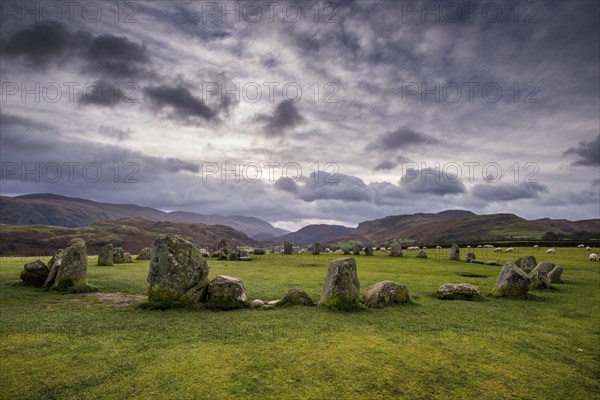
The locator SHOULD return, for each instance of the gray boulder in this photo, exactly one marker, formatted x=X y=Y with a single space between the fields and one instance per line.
x=233 y=257
x=119 y=255
x=470 y=257
x=396 y=251
x=145 y=254
x=539 y=277
x=512 y=282
x=526 y=263
x=341 y=287
x=35 y=273
x=368 y=250
x=545 y=266
x=422 y=254
x=258 y=303
x=127 y=258
x=72 y=270
x=226 y=293
x=178 y=272
x=356 y=249
x=459 y=291
x=287 y=247
x=316 y=248
x=105 y=255
x=385 y=293
x=454 y=252
x=556 y=274
x=296 y=297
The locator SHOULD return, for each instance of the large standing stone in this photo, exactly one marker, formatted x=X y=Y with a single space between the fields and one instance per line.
x=356 y=249
x=226 y=293
x=422 y=254
x=454 y=252
x=178 y=273
x=35 y=273
x=316 y=248
x=105 y=255
x=458 y=291
x=368 y=250
x=396 y=251
x=512 y=282
x=223 y=247
x=470 y=257
x=555 y=274
x=386 y=292
x=526 y=263
x=341 y=288
x=73 y=266
x=145 y=254
x=287 y=247
x=296 y=297
x=539 y=277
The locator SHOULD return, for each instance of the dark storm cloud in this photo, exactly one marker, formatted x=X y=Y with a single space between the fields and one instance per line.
x=432 y=181
x=16 y=134
x=46 y=43
x=508 y=192
x=390 y=163
x=178 y=102
x=324 y=186
x=286 y=185
x=102 y=93
x=401 y=138
x=588 y=153
x=116 y=56
x=285 y=116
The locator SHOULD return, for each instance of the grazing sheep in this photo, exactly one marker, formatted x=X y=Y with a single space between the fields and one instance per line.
x=489 y=246
x=468 y=247
x=535 y=246
x=509 y=250
x=588 y=248
x=498 y=250
x=382 y=249
x=479 y=246
x=424 y=247
x=550 y=251
x=580 y=246
x=438 y=247
x=593 y=257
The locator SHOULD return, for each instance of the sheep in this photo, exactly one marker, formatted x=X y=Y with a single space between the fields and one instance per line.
x=550 y=251
x=498 y=250
x=588 y=248
x=580 y=246
x=479 y=246
x=535 y=246
x=593 y=257
x=489 y=246
x=468 y=247
x=424 y=247
x=509 y=250
x=382 y=249
x=438 y=247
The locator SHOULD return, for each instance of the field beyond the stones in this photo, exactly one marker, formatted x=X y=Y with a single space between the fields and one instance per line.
x=90 y=346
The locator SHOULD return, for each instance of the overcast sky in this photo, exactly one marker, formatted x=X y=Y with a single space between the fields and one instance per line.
x=402 y=107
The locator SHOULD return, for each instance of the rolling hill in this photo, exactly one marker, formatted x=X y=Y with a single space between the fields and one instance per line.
x=315 y=233
x=52 y=209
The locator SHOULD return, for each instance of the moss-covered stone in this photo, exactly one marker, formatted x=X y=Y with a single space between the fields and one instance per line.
x=512 y=282
x=106 y=255
x=459 y=291
x=386 y=293
x=226 y=293
x=73 y=266
x=35 y=273
x=341 y=287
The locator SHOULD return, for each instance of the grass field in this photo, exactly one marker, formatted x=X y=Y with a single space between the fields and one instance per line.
x=68 y=346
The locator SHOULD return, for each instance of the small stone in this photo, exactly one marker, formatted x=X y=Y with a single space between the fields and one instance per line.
x=458 y=291
x=386 y=293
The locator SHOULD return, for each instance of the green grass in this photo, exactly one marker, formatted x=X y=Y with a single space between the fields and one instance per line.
x=70 y=346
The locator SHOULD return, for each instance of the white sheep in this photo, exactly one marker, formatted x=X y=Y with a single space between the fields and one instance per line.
x=498 y=250
x=550 y=251
x=588 y=248
x=593 y=257
x=580 y=246
x=438 y=247
x=424 y=247
x=382 y=249
x=509 y=250
x=468 y=247
x=489 y=246
x=535 y=246
x=479 y=246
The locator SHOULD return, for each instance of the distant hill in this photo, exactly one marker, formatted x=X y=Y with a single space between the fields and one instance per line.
x=52 y=209
x=131 y=233
x=316 y=233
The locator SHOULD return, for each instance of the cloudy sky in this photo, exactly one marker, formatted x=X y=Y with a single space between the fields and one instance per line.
x=298 y=112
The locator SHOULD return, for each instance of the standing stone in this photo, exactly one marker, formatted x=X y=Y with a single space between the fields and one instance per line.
x=539 y=277
x=222 y=246
x=396 y=251
x=127 y=258
x=226 y=293
x=144 y=254
x=526 y=263
x=341 y=288
x=356 y=249
x=470 y=257
x=35 y=273
x=233 y=257
x=368 y=250
x=73 y=266
x=545 y=266
x=455 y=252
x=178 y=273
x=512 y=282
x=555 y=274
x=458 y=291
x=386 y=292
x=106 y=256
x=287 y=247
x=422 y=254
x=316 y=248
x=119 y=255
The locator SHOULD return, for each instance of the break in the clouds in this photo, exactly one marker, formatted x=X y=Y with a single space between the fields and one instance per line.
x=398 y=112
